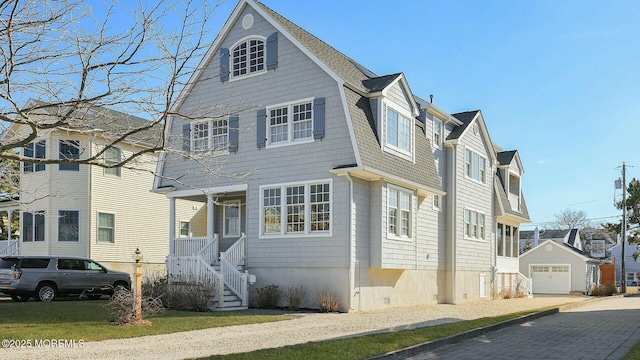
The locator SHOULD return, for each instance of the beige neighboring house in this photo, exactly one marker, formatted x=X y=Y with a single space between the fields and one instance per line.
x=90 y=211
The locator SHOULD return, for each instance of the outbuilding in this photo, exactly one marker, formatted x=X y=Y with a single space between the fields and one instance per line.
x=559 y=268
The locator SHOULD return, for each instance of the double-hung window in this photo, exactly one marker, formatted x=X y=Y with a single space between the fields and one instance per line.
x=290 y=122
x=33 y=226
x=399 y=205
x=36 y=150
x=398 y=130
x=69 y=150
x=437 y=132
x=68 y=225
x=113 y=156
x=106 y=227
x=474 y=225
x=475 y=166
x=232 y=218
x=210 y=134
x=296 y=209
x=248 y=57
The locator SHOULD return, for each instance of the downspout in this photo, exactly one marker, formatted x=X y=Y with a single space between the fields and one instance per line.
x=351 y=262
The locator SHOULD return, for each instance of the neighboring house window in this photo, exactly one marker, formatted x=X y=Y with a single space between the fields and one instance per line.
x=398 y=131
x=248 y=57
x=33 y=226
x=436 y=201
x=37 y=150
x=185 y=229
x=291 y=122
x=106 y=227
x=399 y=212
x=69 y=150
x=474 y=224
x=113 y=156
x=296 y=209
x=68 y=225
x=437 y=132
x=475 y=166
x=210 y=134
x=232 y=218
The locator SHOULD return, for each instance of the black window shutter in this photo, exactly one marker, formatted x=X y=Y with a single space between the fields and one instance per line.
x=261 y=128
x=224 y=64
x=186 y=137
x=28 y=152
x=272 y=51
x=233 y=134
x=318 y=118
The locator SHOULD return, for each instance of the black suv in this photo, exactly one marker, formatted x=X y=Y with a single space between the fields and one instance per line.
x=46 y=277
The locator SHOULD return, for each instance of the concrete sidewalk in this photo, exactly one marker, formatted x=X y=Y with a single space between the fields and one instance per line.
x=604 y=329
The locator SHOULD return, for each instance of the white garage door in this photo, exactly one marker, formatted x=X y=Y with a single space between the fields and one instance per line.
x=551 y=279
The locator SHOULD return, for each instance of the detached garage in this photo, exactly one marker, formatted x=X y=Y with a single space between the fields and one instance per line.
x=559 y=268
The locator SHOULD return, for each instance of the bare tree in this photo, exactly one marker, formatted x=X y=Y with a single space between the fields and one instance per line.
x=571 y=219
x=64 y=62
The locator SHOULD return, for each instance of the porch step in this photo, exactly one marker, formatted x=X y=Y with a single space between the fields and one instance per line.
x=231 y=302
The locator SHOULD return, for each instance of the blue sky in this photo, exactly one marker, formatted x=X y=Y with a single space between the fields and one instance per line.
x=557 y=80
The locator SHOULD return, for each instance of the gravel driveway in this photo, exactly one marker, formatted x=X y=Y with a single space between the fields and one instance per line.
x=308 y=327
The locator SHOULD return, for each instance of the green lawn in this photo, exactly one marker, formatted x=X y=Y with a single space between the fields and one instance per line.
x=88 y=320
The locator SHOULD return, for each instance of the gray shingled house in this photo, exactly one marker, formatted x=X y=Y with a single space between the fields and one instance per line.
x=353 y=183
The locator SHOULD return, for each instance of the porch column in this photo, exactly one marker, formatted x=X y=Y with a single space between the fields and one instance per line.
x=172 y=226
x=210 y=217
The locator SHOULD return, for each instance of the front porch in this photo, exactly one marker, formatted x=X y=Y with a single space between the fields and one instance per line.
x=208 y=245
x=9 y=226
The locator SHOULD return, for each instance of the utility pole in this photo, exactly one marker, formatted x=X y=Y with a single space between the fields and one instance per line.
x=623 y=286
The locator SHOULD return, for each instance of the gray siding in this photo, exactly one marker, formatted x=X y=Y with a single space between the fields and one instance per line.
x=297 y=77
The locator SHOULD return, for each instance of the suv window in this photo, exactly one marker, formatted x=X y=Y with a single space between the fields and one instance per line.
x=70 y=264
x=34 y=263
x=7 y=263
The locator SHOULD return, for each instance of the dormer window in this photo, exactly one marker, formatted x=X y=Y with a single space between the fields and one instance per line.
x=248 y=57
x=398 y=131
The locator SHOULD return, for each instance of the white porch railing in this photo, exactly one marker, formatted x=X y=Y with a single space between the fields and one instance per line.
x=512 y=284
x=235 y=280
x=194 y=269
x=525 y=285
x=193 y=246
x=210 y=251
x=8 y=247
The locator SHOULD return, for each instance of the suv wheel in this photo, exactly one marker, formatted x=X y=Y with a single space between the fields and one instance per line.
x=19 y=298
x=45 y=292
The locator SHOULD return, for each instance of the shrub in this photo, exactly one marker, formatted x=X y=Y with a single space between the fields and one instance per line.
x=604 y=290
x=328 y=301
x=295 y=296
x=267 y=297
x=189 y=293
x=155 y=285
x=121 y=307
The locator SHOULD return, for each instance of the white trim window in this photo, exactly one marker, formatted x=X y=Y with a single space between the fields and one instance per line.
x=474 y=224
x=106 y=227
x=437 y=132
x=248 y=57
x=475 y=166
x=212 y=134
x=113 y=156
x=436 y=202
x=288 y=123
x=232 y=218
x=36 y=150
x=185 y=229
x=399 y=131
x=399 y=212
x=299 y=209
